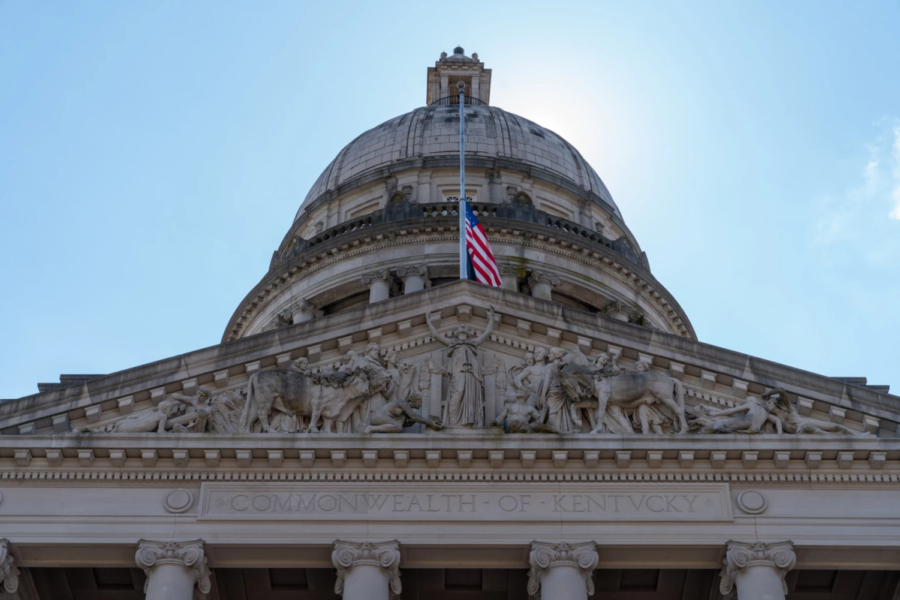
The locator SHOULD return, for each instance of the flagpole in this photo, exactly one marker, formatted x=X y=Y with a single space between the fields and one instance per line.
x=463 y=262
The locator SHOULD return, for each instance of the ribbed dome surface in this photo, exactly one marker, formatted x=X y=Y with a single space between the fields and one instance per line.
x=434 y=130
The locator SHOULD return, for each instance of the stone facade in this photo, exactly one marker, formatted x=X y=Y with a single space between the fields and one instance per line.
x=371 y=427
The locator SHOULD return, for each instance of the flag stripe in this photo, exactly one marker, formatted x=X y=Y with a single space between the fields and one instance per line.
x=479 y=249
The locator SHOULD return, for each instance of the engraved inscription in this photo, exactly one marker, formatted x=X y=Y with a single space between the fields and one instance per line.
x=297 y=501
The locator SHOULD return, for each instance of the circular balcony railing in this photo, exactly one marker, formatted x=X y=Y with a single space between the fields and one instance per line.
x=454 y=100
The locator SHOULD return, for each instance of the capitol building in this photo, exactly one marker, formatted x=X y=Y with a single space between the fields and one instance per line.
x=373 y=426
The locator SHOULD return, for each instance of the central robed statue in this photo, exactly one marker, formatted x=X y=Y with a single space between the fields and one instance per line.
x=465 y=399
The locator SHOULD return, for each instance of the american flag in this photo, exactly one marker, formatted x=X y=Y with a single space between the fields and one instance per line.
x=482 y=266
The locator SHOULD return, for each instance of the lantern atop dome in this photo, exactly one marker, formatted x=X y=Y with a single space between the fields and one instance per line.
x=456 y=67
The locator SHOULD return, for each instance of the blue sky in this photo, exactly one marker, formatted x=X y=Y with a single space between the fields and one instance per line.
x=153 y=154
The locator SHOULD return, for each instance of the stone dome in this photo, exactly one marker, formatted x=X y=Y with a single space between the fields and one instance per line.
x=491 y=133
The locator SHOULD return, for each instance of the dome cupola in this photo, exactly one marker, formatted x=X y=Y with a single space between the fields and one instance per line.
x=380 y=221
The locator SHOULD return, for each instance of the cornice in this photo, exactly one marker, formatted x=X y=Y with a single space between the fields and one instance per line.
x=764 y=458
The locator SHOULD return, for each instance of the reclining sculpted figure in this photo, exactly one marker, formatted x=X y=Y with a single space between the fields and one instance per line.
x=400 y=413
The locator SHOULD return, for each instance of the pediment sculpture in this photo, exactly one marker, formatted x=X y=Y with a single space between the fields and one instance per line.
x=552 y=391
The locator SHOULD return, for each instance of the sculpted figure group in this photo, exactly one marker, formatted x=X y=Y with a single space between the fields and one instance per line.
x=559 y=390
x=359 y=394
x=553 y=391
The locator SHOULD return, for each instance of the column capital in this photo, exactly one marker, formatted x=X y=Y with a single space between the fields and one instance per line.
x=511 y=269
x=377 y=554
x=738 y=555
x=373 y=276
x=545 y=277
x=189 y=555
x=546 y=555
x=408 y=270
x=304 y=304
x=9 y=572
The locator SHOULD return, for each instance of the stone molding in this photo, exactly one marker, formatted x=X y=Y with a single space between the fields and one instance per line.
x=9 y=572
x=738 y=555
x=378 y=554
x=188 y=554
x=546 y=555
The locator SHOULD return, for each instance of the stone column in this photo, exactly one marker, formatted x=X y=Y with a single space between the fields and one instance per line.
x=757 y=569
x=379 y=283
x=414 y=277
x=509 y=277
x=367 y=570
x=304 y=310
x=9 y=572
x=173 y=568
x=562 y=571
x=617 y=310
x=542 y=284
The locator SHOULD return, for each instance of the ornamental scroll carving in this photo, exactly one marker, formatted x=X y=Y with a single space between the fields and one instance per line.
x=386 y=555
x=189 y=555
x=546 y=555
x=9 y=572
x=738 y=555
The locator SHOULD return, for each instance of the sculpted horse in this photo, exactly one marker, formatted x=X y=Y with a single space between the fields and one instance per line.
x=630 y=390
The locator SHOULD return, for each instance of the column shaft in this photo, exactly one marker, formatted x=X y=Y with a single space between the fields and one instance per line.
x=367 y=582
x=170 y=582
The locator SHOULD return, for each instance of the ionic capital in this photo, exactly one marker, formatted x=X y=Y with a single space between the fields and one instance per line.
x=189 y=555
x=409 y=270
x=304 y=304
x=546 y=555
x=9 y=572
x=386 y=555
x=511 y=269
x=373 y=276
x=739 y=555
x=545 y=277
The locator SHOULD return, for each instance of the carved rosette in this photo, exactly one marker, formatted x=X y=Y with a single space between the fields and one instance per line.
x=189 y=555
x=546 y=555
x=379 y=554
x=9 y=572
x=778 y=555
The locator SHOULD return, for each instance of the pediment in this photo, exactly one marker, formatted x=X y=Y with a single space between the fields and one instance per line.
x=711 y=376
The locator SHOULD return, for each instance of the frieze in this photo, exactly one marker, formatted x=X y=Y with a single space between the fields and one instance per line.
x=453 y=502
